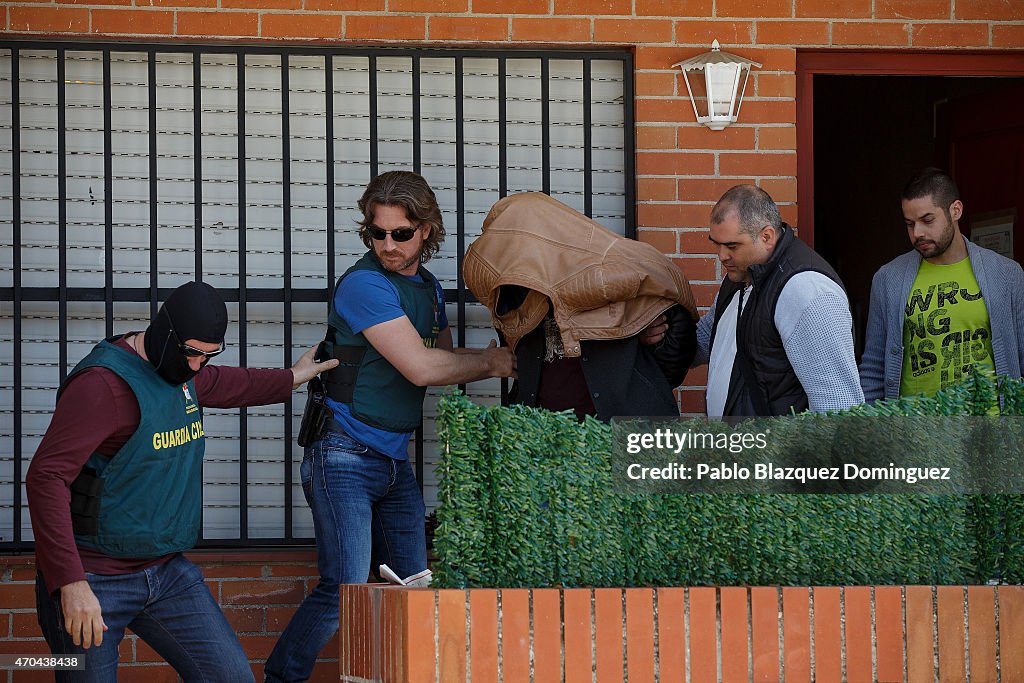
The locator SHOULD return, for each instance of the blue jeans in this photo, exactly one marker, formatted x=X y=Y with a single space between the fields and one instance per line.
x=169 y=607
x=366 y=507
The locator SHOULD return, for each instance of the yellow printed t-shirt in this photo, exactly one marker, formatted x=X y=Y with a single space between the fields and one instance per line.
x=945 y=329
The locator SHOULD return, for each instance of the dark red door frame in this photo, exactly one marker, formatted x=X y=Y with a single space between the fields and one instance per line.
x=864 y=62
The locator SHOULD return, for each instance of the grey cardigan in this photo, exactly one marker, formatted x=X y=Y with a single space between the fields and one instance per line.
x=1002 y=284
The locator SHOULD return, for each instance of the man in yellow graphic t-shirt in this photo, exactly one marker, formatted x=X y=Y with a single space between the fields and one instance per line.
x=943 y=308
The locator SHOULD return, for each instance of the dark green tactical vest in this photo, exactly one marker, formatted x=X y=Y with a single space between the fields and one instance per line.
x=375 y=392
x=151 y=496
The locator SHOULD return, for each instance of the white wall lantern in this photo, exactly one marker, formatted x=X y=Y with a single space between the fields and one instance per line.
x=721 y=87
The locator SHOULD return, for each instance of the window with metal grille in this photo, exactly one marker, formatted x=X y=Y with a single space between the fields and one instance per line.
x=126 y=170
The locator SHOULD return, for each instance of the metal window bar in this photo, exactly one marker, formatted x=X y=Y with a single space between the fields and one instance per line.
x=292 y=292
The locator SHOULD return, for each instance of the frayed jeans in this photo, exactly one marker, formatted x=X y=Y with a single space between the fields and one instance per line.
x=366 y=508
x=169 y=607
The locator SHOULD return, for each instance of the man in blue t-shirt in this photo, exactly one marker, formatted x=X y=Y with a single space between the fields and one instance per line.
x=388 y=328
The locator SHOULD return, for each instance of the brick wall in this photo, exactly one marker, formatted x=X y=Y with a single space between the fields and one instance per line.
x=258 y=592
x=682 y=168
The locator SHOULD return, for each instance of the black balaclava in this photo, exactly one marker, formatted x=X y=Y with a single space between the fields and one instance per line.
x=194 y=311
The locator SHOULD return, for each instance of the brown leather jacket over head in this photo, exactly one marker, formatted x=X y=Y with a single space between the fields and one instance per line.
x=600 y=285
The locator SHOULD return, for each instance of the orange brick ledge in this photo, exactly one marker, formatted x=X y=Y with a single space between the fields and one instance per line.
x=825 y=634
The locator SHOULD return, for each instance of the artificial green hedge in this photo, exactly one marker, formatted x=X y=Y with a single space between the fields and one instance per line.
x=526 y=500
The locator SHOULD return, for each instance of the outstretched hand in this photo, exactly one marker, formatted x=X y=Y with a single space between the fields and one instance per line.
x=501 y=360
x=306 y=368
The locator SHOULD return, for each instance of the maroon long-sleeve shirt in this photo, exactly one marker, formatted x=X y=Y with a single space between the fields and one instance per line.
x=98 y=413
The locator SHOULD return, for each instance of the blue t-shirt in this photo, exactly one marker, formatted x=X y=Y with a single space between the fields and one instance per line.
x=364 y=299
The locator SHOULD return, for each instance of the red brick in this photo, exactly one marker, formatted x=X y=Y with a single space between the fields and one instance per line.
x=24 y=625
x=654 y=83
x=832 y=9
x=468 y=28
x=950 y=35
x=343 y=6
x=632 y=31
x=49 y=19
x=662 y=240
x=674 y=163
x=506 y=7
x=261 y=4
x=696 y=241
x=781 y=189
x=428 y=6
x=23 y=574
x=992 y=10
x=551 y=30
x=727 y=33
x=789 y=214
x=772 y=58
x=698 y=268
x=146 y=674
x=912 y=9
x=768 y=111
x=708 y=189
x=773 y=85
x=671 y=215
x=35 y=646
x=672 y=8
x=301 y=26
x=593 y=8
x=245 y=620
x=699 y=376
x=704 y=293
x=137 y=22
x=754 y=8
x=229 y=571
x=792 y=32
x=294 y=570
x=776 y=138
x=262 y=592
x=692 y=402
x=17 y=595
x=660 y=58
x=757 y=164
x=702 y=137
x=867 y=33
x=96 y=2
x=259 y=647
x=656 y=137
x=220 y=24
x=384 y=27
x=1008 y=36
x=656 y=189
x=176 y=3
x=5 y=624
x=665 y=109
x=278 y=618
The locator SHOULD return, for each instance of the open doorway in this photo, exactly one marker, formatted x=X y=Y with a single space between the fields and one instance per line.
x=870 y=132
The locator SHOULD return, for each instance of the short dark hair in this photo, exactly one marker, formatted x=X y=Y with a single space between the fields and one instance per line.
x=755 y=207
x=411 y=192
x=934 y=183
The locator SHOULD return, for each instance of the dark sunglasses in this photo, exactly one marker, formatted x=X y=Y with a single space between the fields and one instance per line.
x=191 y=351
x=398 y=234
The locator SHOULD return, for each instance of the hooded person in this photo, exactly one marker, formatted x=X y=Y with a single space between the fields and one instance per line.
x=193 y=311
x=578 y=303
x=115 y=491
